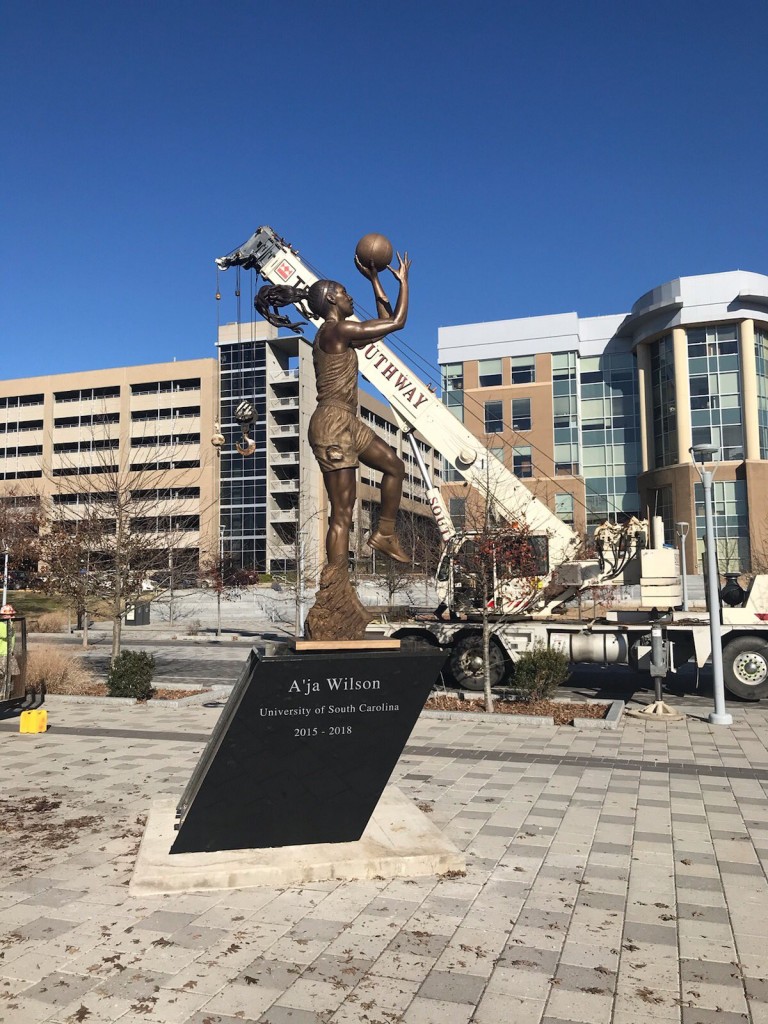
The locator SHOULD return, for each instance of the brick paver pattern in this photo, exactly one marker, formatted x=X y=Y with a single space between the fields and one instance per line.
x=613 y=878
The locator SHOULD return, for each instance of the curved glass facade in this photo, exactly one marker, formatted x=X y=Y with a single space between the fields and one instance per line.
x=715 y=382
x=761 y=365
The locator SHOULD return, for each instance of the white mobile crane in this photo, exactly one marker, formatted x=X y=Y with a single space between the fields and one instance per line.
x=628 y=555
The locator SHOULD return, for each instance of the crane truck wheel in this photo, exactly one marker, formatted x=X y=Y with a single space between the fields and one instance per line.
x=745 y=667
x=421 y=636
x=465 y=662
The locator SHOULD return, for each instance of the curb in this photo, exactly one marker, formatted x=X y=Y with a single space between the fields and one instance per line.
x=463 y=716
x=611 y=720
x=213 y=693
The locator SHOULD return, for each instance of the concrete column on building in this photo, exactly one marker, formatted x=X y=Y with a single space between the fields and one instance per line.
x=682 y=394
x=47 y=456
x=647 y=453
x=125 y=427
x=749 y=389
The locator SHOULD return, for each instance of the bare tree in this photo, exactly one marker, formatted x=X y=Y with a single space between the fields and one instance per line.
x=67 y=548
x=20 y=517
x=420 y=536
x=302 y=573
x=394 y=577
x=116 y=505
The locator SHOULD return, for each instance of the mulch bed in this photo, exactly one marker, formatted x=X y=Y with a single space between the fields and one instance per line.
x=563 y=712
x=100 y=690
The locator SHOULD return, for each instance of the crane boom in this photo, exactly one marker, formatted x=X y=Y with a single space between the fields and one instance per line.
x=417 y=408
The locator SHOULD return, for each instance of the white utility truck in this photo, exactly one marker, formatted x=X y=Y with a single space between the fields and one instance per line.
x=631 y=553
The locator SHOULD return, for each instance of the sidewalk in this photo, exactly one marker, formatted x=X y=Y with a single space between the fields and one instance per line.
x=613 y=878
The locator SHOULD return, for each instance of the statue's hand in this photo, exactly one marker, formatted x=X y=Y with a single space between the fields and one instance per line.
x=368 y=271
x=403 y=266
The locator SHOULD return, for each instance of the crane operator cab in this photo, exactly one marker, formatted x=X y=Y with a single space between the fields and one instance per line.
x=13 y=659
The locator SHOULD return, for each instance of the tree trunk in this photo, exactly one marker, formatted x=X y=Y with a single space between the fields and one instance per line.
x=487 y=660
x=85 y=627
x=117 y=626
x=170 y=589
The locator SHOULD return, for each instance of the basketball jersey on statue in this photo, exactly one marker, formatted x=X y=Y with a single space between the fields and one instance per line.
x=336 y=376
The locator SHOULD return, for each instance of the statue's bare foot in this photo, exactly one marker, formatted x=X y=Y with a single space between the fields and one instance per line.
x=388 y=545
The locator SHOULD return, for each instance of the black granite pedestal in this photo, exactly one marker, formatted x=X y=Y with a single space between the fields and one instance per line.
x=304 y=748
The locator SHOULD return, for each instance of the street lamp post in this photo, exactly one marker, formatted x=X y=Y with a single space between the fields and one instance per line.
x=682 y=533
x=6 y=553
x=700 y=453
x=220 y=587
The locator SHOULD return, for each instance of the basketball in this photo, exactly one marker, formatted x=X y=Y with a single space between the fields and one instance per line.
x=374 y=249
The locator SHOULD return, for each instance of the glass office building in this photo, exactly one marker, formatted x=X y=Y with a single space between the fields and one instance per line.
x=608 y=407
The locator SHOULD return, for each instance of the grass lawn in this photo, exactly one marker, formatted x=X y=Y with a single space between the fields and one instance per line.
x=32 y=602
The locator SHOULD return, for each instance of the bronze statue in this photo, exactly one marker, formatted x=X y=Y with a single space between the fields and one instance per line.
x=338 y=436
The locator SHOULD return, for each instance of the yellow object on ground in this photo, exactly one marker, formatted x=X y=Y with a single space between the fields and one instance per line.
x=34 y=721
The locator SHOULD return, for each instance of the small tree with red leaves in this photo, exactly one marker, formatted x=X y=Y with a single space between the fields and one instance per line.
x=502 y=568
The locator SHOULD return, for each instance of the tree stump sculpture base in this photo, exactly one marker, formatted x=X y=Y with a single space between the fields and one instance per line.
x=337 y=613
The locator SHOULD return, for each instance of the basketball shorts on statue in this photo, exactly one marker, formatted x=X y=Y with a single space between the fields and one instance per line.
x=337 y=437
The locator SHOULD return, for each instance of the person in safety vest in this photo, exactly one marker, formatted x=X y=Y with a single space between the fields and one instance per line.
x=7 y=639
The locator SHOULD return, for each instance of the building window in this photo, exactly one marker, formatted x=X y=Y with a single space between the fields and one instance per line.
x=761 y=360
x=523 y=369
x=731 y=524
x=610 y=432
x=22 y=426
x=563 y=365
x=564 y=507
x=453 y=389
x=522 y=463
x=565 y=413
x=521 y=414
x=664 y=401
x=498 y=453
x=164 y=387
x=20 y=401
x=451 y=475
x=713 y=367
x=566 y=460
x=20 y=451
x=489 y=373
x=494 y=417
x=99 y=419
x=457 y=508
x=87 y=394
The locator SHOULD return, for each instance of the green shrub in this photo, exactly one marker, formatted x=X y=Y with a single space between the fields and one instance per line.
x=539 y=672
x=131 y=675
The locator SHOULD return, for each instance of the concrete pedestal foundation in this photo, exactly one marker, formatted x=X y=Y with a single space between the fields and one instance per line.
x=399 y=842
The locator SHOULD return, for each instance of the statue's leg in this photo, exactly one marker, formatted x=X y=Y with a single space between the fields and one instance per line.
x=378 y=455
x=341 y=488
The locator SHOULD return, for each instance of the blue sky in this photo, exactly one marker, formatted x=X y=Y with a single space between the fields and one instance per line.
x=533 y=158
